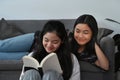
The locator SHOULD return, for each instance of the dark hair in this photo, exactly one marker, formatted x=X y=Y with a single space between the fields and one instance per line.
x=35 y=42
x=63 y=52
x=91 y=22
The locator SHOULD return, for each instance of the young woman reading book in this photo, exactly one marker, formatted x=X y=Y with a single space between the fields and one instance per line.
x=53 y=38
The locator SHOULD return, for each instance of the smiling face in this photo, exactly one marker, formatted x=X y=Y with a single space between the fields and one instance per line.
x=82 y=34
x=51 y=42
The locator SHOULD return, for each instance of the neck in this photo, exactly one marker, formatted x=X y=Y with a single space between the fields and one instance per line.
x=81 y=49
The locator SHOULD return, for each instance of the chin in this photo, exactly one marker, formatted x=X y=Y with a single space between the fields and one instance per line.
x=48 y=51
x=82 y=44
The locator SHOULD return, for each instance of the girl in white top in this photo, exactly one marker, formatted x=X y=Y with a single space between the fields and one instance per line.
x=53 y=38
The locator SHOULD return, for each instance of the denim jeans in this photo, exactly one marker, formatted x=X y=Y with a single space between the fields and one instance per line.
x=34 y=75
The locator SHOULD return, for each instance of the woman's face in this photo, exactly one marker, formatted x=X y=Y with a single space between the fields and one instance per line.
x=82 y=34
x=51 y=42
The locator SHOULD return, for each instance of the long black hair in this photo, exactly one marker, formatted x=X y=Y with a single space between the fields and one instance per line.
x=63 y=52
x=90 y=46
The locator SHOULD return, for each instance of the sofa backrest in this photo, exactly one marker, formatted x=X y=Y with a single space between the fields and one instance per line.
x=33 y=25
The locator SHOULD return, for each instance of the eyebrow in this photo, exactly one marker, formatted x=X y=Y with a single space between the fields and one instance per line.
x=86 y=30
x=77 y=29
x=52 y=40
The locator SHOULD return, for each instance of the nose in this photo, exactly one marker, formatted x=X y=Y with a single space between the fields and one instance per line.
x=80 y=35
x=49 y=44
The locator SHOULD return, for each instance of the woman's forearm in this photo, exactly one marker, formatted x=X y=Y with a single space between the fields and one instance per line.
x=102 y=59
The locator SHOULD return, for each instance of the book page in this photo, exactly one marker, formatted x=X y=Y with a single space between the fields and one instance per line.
x=29 y=61
x=51 y=62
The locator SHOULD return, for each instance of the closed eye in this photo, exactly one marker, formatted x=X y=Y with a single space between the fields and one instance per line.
x=85 y=31
x=77 y=30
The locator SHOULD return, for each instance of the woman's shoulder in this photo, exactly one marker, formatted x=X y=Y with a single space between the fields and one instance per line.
x=73 y=55
x=74 y=58
x=31 y=54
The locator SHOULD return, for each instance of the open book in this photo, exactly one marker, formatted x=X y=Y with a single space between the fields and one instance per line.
x=50 y=62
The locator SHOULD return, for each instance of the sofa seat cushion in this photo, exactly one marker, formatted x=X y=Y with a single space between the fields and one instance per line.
x=10 y=65
x=12 y=55
x=88 y=67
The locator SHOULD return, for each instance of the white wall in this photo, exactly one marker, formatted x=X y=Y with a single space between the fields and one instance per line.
x=52 y=9
x=60 y=9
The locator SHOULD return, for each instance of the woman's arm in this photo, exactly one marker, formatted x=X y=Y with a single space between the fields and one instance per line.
x=102 y=60
x=76 y=69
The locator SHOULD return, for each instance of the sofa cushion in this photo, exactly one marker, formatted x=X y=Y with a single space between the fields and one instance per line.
x=102 y=32
x=10 y=65
x=8 y=30
x=21 y=43
x=12 y=55
x=88 y=67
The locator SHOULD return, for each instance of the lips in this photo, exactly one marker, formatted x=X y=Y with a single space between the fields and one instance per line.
x=49 y=49
x=80 y=40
